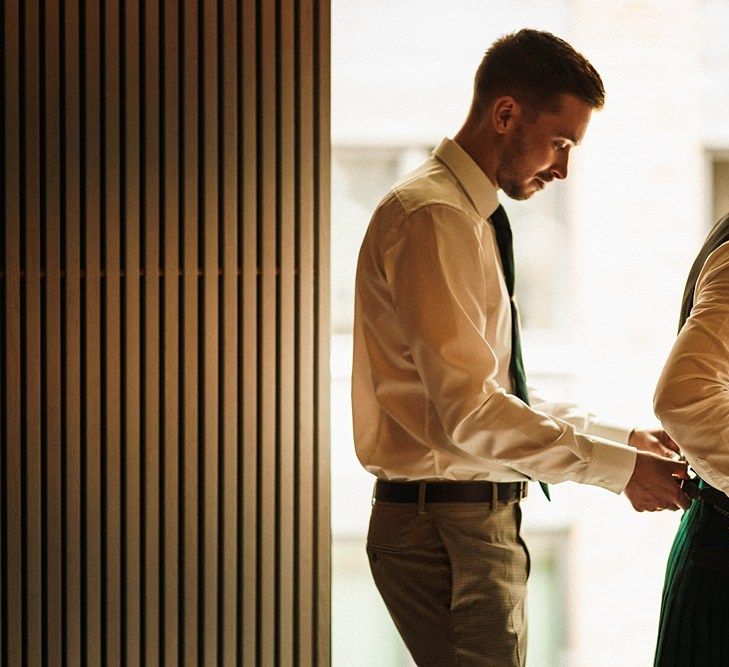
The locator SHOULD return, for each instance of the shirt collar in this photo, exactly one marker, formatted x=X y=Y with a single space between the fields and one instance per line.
x=479 y=188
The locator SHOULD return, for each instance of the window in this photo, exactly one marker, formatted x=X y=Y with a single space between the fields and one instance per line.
x=361 y=176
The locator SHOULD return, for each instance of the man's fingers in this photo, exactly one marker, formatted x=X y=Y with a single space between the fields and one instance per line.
x=684 y=502
x=665 y=452
x=669 y=442
x=679 y=469
x=655 y=484
x=675 y=498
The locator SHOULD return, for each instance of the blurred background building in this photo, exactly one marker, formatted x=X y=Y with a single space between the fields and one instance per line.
x=601 y=260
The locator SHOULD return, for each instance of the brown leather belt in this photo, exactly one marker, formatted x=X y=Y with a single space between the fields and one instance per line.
x=450 y=492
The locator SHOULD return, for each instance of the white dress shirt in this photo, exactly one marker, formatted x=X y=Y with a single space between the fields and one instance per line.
x=692 y=396
x=432 y=344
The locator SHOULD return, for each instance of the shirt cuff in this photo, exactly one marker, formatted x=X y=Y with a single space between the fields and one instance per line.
x=607 y=431
x=611 y=464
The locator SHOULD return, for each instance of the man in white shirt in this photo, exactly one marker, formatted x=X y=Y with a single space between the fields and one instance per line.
x=441 y=412
x=692 y=402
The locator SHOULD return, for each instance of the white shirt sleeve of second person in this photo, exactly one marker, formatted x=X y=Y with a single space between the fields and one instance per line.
x=692 y=396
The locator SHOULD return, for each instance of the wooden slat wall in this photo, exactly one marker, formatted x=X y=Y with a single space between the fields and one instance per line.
x=164 y=493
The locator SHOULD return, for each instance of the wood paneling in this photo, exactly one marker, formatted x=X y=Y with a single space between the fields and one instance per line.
x=164 y=493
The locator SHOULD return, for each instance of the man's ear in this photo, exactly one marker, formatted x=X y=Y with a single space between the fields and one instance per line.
x=503 y=113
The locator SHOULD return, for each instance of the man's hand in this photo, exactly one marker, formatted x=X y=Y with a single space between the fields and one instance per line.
x=654 y=440
x=654 y=484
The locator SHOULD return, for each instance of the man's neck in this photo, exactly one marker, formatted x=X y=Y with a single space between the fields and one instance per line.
x=480 y=149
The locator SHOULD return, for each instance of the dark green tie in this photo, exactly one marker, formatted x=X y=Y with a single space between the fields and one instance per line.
x=506 y=249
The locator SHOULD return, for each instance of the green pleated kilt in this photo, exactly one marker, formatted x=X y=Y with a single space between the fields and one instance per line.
x=694 y=623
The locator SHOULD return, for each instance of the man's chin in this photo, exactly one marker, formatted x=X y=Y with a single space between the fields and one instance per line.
x=520 y=192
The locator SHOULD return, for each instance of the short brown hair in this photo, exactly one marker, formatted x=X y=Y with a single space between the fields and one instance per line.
x=536 y=68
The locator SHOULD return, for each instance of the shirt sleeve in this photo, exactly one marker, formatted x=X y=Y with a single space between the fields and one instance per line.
x=583 y=420
x=436 y=268
x=692 y=396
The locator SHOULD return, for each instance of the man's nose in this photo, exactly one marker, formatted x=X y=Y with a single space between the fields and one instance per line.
x=559 y=168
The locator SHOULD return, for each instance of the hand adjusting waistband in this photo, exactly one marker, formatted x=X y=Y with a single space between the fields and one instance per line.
x=450 y=492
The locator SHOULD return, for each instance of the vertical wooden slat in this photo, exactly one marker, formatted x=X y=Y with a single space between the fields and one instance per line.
x=3 y=411
x=286 y=333
x=13 y=585
x=249 y=369
x=91 y=220
x=112 y=335
x=131 y=445
x=322 y=206
x=3 y=417
x=229 y=416
x=73 y=605
x=190 y=340
x=209 y=231
x=3 y=435
x=305 y=368
x=267 y=426
x=171 y=514
x=151 y=224
x=30 y=167
x=53 y=368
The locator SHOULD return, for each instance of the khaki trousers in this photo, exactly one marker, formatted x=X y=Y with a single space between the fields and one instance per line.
x=453 y=577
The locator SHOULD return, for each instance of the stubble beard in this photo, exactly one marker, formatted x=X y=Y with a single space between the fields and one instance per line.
x=507 y=173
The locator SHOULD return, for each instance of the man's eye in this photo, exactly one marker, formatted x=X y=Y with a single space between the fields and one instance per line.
x=560 y=146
